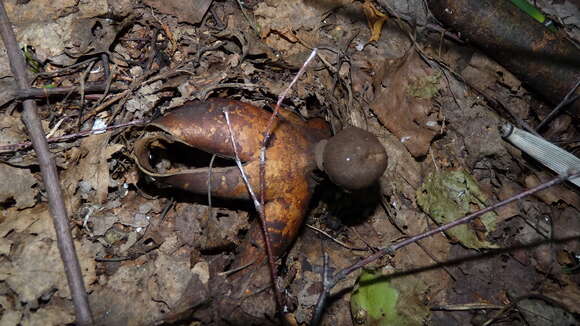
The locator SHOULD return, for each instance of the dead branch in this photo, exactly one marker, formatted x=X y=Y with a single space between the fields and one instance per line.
x=33 y=92
x=24 y=145
x=267 y=135
x=50 y=177
x=330 y=282
x=262 y=215
x=565 y=101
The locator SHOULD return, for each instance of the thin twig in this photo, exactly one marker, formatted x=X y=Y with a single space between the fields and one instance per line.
x=209 y=206
x=237 y=269
x=50 y=176
x=565 y=101
x=32 y=92
x=66 y=70
x=108 y=80
x=261 y=213
x=23 y=145
x=250 y=22
x=335 y=239
x=327 y=285
x=82 y=79
x=270 y=125
x=340 y=275
x=260 y=204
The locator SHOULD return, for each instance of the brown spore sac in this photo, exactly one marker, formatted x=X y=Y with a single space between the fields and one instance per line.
x=354 y=159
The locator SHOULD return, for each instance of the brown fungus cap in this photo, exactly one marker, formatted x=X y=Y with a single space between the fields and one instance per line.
x=354 y=158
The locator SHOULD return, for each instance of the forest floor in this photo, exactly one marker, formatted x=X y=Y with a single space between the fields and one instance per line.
x=151 y=254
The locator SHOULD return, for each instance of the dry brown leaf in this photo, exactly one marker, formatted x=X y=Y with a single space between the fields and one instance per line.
x=568 y=294
x=283 y=23
x=285 y=16
x=485 y=73
x=40 y=269
x=11 y=130
x=404 y=102
x=19 y=220
x=170 y=280
x=92 y=167
x=17 y=185
x=553 y=194
x=186 y=11
x=110 y=304
x=375 y=18
x=507 y=190
x=53 y=314
x=5 y=246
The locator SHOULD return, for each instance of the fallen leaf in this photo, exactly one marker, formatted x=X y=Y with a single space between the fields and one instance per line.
x=40 y=269
x=542 y=313
x=17 y=184
x=553 y=194
x=283 y=23
x=110 y=304
x=448 y=196
x=186 y=11
x=375 y=18
x=5 y=246
x=404 y=102
x=50 y=315
x=380 y=300
x=485 y=73
x=507 y=190
x=285 y=16
x=567 y=294
x=11 y=315
x=171 y=278
x=19 y=220
x=92 y=168
x=11 y=130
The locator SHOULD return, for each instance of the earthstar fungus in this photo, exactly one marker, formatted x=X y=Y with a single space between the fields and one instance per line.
x=353 y=159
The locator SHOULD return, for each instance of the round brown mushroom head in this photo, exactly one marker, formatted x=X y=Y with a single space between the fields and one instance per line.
x=353 y=158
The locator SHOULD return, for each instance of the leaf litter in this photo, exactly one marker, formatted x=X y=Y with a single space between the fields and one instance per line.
x=151 y=255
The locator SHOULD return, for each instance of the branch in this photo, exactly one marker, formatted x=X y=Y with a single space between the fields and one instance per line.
x=565 y=101
x=270 y=125
x=261 y=213
x=23 y=145
x=267 y=134
x=50 y=177
x=32 y=92
x=340 y=275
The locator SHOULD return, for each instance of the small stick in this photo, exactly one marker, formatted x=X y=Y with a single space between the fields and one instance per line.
x=235 y=270
x=23 y=145
x=565 y=101
x=267 y=135
x=33 y=92
x=273 y=117
x=282 y=96
x=327 y=285
x=340 y=275
x=262 y=215
x=49 y=172
x=335 y=239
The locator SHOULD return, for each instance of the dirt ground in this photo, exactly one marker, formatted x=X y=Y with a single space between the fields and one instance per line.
x=152 y=254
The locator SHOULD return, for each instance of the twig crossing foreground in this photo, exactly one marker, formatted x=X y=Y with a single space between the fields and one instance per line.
x=328 y=282
x=49 y=176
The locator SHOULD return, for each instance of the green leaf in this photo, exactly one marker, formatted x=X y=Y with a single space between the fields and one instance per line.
x=450 y=195
x=379 y=301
